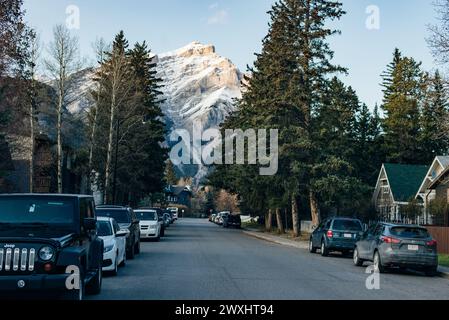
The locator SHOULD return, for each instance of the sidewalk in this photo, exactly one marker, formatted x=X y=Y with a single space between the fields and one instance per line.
x=276 y=239
x=443 y=271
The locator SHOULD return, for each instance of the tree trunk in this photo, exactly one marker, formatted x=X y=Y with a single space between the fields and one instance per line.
x=295 y=218
x=59 y=127
x=314 y=209
x=280 y=225
x=107 y=181
x=31 y=181
x=91 y=149
x=268 y=221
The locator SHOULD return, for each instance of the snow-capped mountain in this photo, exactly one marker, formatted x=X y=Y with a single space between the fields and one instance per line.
x=199 y=86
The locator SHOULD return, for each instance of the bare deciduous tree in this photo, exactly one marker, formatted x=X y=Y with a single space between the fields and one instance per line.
x=63 y=61
x=31 y=67
x=439 y=40
x=100 y=47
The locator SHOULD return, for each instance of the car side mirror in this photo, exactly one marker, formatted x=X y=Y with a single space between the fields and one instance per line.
x=122 y=233
x=90 y=224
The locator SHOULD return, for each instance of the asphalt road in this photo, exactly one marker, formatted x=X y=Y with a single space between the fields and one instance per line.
x=198 y=260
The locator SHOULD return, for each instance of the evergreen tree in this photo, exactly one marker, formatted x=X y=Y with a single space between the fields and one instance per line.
x=434 y=118
x=283 y=93
x=170 y=174
x=403 y=94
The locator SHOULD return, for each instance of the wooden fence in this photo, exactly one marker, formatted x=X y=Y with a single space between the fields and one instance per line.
x=441 y=235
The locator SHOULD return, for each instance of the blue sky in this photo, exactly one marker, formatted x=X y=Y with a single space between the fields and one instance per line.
x=237 y=27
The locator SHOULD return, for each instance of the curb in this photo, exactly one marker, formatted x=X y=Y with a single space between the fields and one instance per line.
x=284 y=242
x=443 y=274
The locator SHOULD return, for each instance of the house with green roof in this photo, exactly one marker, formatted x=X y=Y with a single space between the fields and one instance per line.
x=396 y=186
x=426 y=193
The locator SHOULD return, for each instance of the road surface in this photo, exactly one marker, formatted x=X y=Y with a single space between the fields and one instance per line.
x=199 y=260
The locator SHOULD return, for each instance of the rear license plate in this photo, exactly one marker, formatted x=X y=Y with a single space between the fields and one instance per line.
x=413 y=247
x=348 y=235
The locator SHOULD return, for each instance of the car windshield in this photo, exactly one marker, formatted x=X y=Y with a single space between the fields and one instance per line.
x=31 y=210
x=410 y=232
x=104 y=229
x=146 y=215
x=121 y=216
x=349 y=225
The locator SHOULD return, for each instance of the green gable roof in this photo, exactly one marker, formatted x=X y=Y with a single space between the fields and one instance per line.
x=405 y=180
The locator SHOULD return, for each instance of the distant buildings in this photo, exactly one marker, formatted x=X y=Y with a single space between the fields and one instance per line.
x=178 y=196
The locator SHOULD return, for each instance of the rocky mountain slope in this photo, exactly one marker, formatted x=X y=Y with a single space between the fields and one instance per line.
x=199 y=86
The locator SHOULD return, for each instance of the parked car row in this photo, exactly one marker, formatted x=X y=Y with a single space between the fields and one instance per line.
x=387 y=245
x=226 y=219
x=46 y=238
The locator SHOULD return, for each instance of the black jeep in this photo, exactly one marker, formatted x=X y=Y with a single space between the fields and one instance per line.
x=49 y=245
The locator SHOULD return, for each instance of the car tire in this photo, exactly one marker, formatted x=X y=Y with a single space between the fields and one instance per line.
x=75 y=294
x=115 y=271
x=356 y=258
x=324 y=249
x=431 y=272
x=378 y=266
x=162 y=233
x=123 y=263
x=312 y=249
x=94 y=286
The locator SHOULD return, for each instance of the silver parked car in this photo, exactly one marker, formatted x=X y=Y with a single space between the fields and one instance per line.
x=395 y=245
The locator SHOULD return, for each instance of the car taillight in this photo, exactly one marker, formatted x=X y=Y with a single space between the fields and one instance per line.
x=432 y=243
x=330 y=234
x=390 y=240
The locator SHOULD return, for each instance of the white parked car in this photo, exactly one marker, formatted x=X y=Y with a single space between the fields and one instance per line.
x=114 y=239
x=150 y=224
x=175 y=211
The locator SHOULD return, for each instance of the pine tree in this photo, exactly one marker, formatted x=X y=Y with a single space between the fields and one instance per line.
x=170 y=174
x=401 y=105
x=283 y=93
x=435 y=114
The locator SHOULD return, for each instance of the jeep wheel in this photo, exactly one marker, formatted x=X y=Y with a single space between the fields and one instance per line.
x=76 y=294
x=94 y=286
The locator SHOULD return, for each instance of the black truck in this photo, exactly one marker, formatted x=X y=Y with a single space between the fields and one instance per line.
x=49 y=245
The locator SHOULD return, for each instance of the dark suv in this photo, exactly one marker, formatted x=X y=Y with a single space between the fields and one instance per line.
x=232 y=220
x=336 y=234
x=127 y=220
x=48 y=244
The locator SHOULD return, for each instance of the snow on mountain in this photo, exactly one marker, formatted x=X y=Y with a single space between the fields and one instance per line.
x=199 y=86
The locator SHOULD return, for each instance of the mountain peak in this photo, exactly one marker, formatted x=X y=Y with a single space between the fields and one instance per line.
x=194 y=48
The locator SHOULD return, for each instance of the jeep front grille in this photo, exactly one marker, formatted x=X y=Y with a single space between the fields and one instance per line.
x=13 y=260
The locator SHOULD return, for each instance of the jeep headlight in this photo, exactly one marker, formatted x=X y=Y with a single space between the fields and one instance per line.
x=153 y=227
x=46 y=253
x=108 y=248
